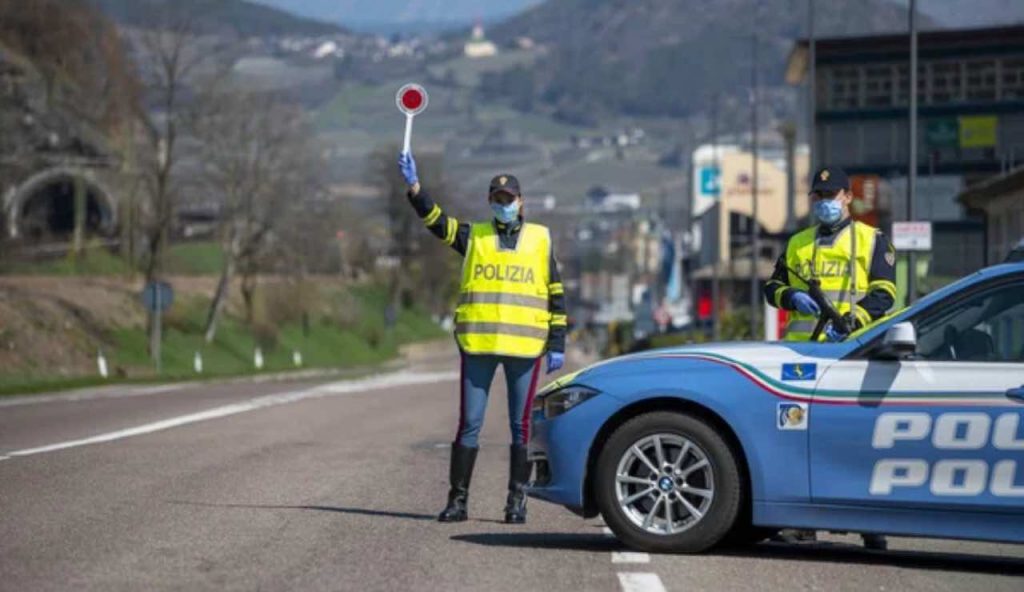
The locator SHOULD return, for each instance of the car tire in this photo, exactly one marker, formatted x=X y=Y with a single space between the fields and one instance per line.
x=718 y=512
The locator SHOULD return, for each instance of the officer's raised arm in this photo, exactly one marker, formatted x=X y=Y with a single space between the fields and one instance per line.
x=441 y=225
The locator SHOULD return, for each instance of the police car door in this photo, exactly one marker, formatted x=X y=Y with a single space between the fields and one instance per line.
x=943 y=428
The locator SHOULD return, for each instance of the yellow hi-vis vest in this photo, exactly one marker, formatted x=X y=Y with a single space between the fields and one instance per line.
x=503 y=305
x=841 y=262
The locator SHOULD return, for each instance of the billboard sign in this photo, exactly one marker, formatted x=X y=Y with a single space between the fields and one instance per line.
x=978 y=131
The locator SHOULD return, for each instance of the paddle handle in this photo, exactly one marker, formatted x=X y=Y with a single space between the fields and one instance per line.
x=407 y=144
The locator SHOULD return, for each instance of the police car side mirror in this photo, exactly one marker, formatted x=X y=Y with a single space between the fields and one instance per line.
x=899 y=342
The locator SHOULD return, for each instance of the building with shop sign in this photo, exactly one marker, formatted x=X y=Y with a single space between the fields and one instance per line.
x=970 y=122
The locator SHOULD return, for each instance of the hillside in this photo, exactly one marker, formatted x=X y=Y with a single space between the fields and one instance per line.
x=53 y=327
x=667 y=57
x=404 y=15
x=248 y=19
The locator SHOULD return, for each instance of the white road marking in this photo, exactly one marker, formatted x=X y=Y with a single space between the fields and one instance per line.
x=120 y=391
x=630 y=557
x=607 y=531
x=402 y=378
x=640 y=582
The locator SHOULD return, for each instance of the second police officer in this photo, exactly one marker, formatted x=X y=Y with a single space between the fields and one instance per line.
x=511 y=313
x=853 y=261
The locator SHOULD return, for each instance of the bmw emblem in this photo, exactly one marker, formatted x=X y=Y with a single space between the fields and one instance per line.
x=665 y=484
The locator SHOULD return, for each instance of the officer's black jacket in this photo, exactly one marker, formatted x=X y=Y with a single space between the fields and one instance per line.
x=456 y=234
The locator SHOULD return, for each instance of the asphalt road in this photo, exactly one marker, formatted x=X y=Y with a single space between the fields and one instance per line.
x=334 y=485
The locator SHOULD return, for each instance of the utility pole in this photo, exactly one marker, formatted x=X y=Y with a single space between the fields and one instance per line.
x=755 y=238
x=788 y=131
x=716 y=325
x=812 y=82
x=912 y=152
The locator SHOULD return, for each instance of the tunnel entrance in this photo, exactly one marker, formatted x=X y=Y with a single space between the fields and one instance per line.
x=48 y=210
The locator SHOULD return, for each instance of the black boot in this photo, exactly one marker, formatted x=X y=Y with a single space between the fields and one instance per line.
x=459 y=473
x=518 y=478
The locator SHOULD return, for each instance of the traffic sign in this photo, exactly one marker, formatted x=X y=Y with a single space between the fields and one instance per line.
x=912 y=236
x=157 y=296
x=411 y=99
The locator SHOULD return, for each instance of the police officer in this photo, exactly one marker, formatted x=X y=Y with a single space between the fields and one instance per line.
x=511 y=312
x=854 y=263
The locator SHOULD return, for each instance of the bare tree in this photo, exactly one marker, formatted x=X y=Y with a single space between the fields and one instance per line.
x=169 y=62
x=256 y=158
x=174 y=61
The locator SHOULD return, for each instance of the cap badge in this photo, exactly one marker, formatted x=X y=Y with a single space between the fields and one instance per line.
x=502 y=180
x=824 y=175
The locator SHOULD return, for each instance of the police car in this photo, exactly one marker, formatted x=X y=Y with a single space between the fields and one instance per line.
x=913 y=426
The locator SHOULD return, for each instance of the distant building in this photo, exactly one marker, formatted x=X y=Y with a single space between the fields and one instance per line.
x=328 y=49
x=970 y=121
x=722 y=207
x=1000 y=200
x=478 y=46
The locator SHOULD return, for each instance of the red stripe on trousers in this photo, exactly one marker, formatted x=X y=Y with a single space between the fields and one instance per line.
x=529 y=402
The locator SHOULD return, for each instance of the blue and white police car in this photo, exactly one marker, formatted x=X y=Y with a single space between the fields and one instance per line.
x=913 y=426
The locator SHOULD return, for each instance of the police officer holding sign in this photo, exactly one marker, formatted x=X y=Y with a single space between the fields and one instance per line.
x=511 y=312
x=854 y=263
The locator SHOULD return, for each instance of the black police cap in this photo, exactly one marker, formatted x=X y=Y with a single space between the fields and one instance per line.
x=830 y=179
x=506 y=183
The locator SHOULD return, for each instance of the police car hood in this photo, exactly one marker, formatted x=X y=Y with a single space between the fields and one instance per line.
x=768 y=357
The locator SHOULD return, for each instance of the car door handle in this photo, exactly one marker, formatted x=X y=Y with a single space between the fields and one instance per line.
x=1016 y=393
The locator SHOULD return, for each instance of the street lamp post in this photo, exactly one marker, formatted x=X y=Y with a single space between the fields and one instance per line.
x=912 y=152
x=755 y=239
x=812 y=97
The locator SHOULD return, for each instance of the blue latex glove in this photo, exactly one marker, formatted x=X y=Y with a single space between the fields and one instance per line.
x=805 y=304
x=407 y=164
x=833 y=334
x=555 y=361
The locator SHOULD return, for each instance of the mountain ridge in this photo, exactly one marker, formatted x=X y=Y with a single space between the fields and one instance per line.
x=247 y=18
x=404 y=15
x=668 y=57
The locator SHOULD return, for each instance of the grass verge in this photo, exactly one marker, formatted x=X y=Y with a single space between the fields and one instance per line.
x=348 y=331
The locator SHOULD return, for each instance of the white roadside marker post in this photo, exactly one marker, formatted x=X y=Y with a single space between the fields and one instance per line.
x=297 y=358
x=197 y=362
x=101 y=364
x=257 y=359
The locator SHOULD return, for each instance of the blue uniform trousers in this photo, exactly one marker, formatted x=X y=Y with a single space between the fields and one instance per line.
x=477 y=374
